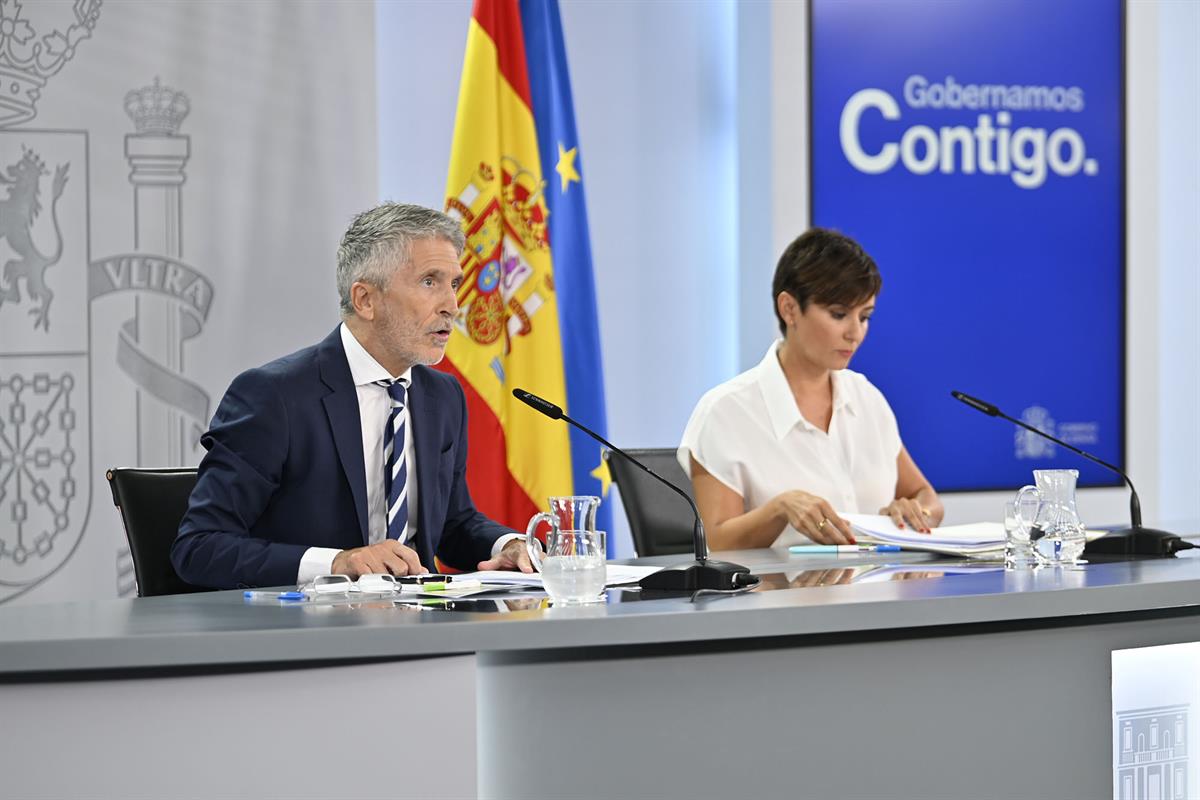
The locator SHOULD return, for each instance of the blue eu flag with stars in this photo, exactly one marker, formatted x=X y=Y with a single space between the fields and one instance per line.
x=558 y=143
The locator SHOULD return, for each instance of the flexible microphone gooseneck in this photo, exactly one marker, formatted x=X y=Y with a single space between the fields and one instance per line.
x=1131 y=541
x=702 y=574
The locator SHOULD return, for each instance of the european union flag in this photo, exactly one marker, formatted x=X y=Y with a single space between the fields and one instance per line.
x=558 y=143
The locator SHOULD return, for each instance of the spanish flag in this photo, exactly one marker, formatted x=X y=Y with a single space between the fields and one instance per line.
x=527 y=308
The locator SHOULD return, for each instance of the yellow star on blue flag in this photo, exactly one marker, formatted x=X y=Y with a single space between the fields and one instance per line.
x=558 y=146
x=566 y=166
x=602 y=474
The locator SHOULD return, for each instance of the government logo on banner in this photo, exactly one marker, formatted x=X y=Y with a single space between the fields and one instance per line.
x=49 y=281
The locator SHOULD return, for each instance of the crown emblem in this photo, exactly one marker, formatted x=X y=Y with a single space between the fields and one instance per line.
x=157 y=109
x=524 y=206
x=28 y=59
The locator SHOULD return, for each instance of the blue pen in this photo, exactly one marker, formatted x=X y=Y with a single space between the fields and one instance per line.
x=249 y=595
x=815 y=549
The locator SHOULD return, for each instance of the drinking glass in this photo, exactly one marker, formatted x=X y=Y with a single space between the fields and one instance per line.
x=1018 y=554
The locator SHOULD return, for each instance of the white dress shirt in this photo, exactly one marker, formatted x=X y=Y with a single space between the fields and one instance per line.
x=374 y=406
x=750 y=435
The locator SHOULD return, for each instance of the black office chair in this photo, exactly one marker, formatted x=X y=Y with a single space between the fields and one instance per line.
x=152 y=502
x=660 y=521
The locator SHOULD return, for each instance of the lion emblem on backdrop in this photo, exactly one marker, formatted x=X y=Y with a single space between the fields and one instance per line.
x=19 y=211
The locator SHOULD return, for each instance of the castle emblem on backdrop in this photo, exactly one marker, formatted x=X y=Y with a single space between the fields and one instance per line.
x=48 y=283
x=498 y=298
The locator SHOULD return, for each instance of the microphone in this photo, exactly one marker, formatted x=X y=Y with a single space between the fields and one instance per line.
x=701 y=574
x=1132 y=541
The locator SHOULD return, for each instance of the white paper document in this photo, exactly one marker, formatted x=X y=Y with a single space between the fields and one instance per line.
x=970 y=539
x=617 y=575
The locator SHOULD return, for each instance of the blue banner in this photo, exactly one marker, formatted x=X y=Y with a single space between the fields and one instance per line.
x=570 y=245
x=976 y=150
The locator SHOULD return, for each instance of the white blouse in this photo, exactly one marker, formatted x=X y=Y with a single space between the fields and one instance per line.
x=750 y=435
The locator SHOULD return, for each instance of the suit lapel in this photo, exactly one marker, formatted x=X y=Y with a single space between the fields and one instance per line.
x=341 y=407
x=425 y=442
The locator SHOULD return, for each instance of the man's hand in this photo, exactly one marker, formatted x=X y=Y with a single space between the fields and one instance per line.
x=513 y=556
x=386 y=556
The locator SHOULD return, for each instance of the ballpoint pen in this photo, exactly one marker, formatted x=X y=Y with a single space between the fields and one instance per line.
x=806 y=549
x=253 y=595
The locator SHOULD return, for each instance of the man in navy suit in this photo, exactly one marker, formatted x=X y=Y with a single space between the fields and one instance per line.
x=350 y=456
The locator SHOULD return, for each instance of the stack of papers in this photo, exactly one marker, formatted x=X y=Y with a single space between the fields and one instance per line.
x=974 y=539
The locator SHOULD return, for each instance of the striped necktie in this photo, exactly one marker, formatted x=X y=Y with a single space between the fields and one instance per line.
x=395 y=468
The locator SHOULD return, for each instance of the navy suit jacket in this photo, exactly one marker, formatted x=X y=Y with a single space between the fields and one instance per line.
x=284 y=472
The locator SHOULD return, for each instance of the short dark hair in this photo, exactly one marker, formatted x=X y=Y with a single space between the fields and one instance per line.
x=824 y=267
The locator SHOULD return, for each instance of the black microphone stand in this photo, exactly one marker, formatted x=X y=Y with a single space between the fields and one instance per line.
x=1134 y=540
x=702 y=574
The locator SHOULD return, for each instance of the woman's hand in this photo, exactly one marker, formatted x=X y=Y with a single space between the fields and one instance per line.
x=905 y=511
x=823 y=577
x=813 y=517
x=917 y=504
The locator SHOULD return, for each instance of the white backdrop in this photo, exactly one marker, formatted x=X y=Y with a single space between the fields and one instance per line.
x=235 y=221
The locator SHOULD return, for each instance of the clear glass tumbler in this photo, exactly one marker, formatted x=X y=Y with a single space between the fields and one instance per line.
x=1018 y=552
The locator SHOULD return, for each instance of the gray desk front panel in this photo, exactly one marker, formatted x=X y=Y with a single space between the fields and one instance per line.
x=346 y=731
x=1004 y=714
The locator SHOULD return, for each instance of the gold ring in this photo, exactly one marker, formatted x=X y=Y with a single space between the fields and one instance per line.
x=823 y=521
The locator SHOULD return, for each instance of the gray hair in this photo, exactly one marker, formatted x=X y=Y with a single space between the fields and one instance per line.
x=379 y=241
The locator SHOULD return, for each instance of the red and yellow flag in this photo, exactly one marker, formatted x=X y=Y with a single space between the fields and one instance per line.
x=508 y=326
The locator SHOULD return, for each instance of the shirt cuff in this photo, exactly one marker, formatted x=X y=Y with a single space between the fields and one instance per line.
x=315 y=561
x=498 y=545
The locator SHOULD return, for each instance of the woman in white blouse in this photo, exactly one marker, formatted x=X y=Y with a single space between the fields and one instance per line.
x=776 y=452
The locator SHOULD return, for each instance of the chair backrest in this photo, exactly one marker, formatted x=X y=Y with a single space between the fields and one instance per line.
x=152 y=502
x=660 y=521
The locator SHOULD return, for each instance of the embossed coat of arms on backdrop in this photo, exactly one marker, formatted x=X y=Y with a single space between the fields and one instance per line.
x=48 y=281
